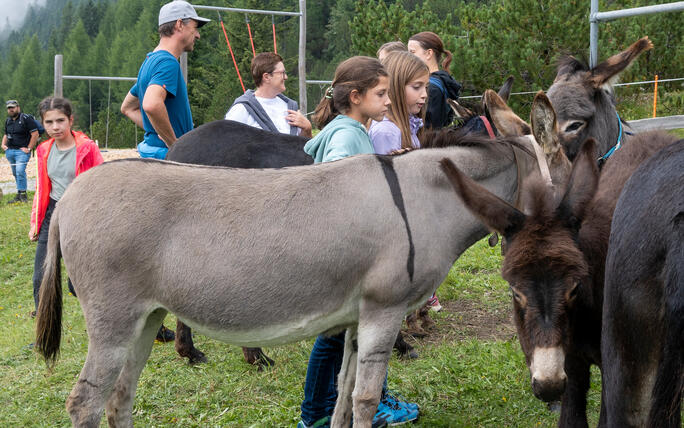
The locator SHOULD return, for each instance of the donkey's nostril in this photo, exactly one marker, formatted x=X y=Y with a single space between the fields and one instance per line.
x=549 y=390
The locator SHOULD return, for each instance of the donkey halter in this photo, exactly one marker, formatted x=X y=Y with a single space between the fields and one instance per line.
x=617 y=145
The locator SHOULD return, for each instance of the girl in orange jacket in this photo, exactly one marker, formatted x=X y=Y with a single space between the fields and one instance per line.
x=60 y=159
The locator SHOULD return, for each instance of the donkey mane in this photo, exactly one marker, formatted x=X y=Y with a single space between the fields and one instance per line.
x=459 y=137
x=570 y=64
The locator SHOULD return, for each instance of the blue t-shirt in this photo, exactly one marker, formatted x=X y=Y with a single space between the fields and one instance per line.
x=162 y=68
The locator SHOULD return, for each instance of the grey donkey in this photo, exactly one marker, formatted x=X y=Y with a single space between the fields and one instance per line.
x=352 y=244
x=584 y=102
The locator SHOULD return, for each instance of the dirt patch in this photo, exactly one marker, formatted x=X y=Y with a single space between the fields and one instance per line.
x=465 y=319
x=111 y=154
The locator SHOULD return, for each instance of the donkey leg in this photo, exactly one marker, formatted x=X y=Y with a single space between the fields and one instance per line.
x=184 y=345
x=424 y=316
x=345 y=382
x=378 y=328
x=574 y=401
x=412 y=326
x=119 y=408
x=404 y=349
x=256 y=357
x=107 y=354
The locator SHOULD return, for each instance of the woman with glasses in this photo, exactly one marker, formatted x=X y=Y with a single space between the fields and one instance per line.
x=266 y=107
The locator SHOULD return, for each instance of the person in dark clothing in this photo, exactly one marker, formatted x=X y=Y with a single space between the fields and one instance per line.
x=21 y=136
x=429 y=47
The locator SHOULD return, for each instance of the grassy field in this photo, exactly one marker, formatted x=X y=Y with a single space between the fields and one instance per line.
x=471 y=372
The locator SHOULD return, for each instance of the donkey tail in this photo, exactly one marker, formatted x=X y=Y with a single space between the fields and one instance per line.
x=49 y=314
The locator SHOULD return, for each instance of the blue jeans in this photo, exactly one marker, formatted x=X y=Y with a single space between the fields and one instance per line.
x=18 y=161
x=320 y=387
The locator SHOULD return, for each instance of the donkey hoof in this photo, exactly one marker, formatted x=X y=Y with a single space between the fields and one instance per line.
x=416 y=332
x=411 y=354
x=264 y=362
x=196 y=357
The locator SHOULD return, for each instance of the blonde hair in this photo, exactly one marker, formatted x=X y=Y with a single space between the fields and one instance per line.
x=358 y=72
x=394 y=46
x=403 y=68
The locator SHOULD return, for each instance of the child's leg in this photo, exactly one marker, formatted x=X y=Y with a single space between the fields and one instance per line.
x=320 y=388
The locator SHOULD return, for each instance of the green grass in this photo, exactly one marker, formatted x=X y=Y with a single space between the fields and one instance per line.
x=459 y=380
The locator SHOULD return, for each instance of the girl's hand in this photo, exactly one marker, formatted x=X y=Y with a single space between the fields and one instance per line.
x=32 y=233
x=400 y=151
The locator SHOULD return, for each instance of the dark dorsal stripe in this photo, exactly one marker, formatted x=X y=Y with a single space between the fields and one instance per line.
x=387 y=163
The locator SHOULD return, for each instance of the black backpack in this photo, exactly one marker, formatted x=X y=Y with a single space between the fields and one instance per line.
x=41 y=129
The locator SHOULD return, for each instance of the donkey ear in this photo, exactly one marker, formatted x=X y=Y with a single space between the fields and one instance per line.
x=504 y=119
x=608 y=70
x=505 y=91
x=494 y=212
x=544 y=124
x=581 y=186
x=461 y=112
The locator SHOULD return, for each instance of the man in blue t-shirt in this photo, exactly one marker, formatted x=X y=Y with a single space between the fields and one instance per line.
x=158 y=102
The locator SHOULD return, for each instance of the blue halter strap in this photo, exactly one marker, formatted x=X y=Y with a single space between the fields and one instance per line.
x=617 y=145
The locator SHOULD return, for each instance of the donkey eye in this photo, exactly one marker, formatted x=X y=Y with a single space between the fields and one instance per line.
x=574 y=126
x=519 y=297
x=574 y=290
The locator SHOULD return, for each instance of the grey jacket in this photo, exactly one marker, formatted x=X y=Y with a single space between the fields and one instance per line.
x=259 y=114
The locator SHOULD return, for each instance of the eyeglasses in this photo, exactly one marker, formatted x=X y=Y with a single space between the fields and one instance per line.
x=278 y=72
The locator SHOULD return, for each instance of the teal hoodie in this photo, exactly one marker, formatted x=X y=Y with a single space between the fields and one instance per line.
x=340 y=138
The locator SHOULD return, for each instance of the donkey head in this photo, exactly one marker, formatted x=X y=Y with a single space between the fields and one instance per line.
x=502 y=116
x=470 y=118
x=543 y=264
x=584 y=102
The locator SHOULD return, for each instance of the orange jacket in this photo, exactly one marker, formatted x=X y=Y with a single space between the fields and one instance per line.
x=87 y=156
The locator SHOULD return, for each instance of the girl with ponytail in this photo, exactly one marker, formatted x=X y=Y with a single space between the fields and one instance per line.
x=359 y=93
x=430 y=48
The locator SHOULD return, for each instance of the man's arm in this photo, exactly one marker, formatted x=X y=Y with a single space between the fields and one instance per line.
x=155 y=109
x=130 y=107
x=4 y=142
x=32 y=141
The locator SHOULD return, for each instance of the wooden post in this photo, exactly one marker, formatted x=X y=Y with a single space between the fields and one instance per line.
x=58 y=76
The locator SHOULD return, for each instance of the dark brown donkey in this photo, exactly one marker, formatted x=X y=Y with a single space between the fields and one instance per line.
x=584 y=102
x=555 y=263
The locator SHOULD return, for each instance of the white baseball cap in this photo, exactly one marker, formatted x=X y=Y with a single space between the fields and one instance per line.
x=179 y=9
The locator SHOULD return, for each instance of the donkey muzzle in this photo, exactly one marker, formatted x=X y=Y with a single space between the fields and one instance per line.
x=548 y=373
x=548 y=391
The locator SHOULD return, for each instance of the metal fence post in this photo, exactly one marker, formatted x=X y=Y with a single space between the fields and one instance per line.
x=58 y=76
x=302 y=56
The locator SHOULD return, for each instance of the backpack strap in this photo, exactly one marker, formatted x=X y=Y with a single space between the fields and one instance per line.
x=438 y=83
